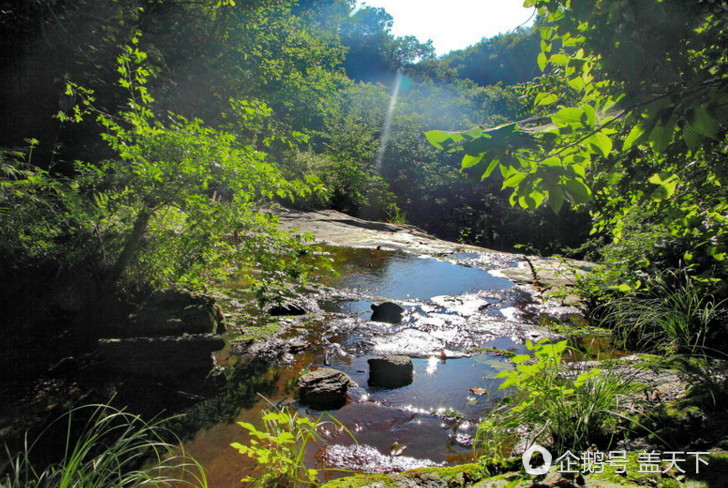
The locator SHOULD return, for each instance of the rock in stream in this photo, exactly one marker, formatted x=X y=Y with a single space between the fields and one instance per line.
x=390 y=371
x=324 y=389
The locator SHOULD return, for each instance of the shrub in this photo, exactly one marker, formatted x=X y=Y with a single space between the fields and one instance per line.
x=280 y=448
x=552 y=406
x=674 y=315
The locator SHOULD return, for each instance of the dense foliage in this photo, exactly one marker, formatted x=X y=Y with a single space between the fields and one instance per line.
x=629 y=120
x=565 y=410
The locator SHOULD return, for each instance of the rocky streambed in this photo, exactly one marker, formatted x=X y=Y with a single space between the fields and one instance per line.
x=406 y=331
x=454 y=312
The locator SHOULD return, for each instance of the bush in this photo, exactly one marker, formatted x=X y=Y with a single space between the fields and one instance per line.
x=552 y=406
x=673 y=315
x=280 y=448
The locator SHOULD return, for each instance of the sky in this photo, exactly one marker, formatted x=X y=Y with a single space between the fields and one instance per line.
x=454 y=24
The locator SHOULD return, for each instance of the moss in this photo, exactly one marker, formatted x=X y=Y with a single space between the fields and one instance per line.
x=455 y=476
x=264 y=329
x=712 y=475
x=360 y=480
x=473 y=470
x=492 y=350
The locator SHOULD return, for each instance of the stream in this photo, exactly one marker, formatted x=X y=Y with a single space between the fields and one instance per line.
x=455 y=305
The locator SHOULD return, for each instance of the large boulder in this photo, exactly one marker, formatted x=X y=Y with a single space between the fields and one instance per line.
x=324 y=389
x=390 y=371
x=161 y=357
x=171 y=311
x=387 y=312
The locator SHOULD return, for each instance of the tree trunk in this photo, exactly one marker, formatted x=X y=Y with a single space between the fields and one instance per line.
x=130 y=248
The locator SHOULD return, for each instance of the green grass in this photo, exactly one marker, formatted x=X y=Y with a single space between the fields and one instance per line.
x=674 y=316
x=114 y=449
x=553 y=406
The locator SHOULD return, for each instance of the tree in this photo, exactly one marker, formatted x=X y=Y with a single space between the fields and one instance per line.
x=646 y=77
x=374 y=54
x=180 y=201
x=505 y=58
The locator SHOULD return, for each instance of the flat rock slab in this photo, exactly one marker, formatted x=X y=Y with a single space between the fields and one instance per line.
x=340 y=229
x=390 y=371
x=172 y=311
x=367 y=459
x=336 y=228
x=324 y=388
x=161 y=357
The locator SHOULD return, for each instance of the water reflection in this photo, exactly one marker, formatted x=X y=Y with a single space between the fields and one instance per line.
x=435 y=416
x=432 y=363
x=399 y=275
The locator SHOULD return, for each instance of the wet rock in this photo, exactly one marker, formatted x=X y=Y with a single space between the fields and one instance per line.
x=491 y=484
x=367 y=459
x=287 y=310
x=161 y=357
x=464 y=305
x=534 y=333
x=413 y=343
x=65 y=368
x=324 y=389
x=390 y=371
x=171 y=311
x=387 y=312
x=296 y=348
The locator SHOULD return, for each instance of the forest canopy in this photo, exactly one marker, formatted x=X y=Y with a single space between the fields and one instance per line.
x=629 y=120
x=602 y=117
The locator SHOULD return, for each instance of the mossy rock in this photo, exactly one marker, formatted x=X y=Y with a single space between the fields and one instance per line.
x=471 y=476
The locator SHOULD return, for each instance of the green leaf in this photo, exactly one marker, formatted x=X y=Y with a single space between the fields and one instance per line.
x=693 y=139
x=443 y=139
x=552 y=161
x=635 y=134
x=667 y=183
x=578 y=191
x=559 y=59
x=703 y=122
x=573 y=41
x=556 y=199
x=470 y=161
x=542 y=61
x=577 y=83
x=513 y=180
x=661 y=135
x=568 y=115
x=623 y=287
x=491 y=167
x=247 y=426
x=532 y=200
x=601 y=143
x=590 y=113
x=545 y=99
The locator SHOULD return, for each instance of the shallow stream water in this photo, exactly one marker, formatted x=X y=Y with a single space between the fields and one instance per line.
x=452 y=311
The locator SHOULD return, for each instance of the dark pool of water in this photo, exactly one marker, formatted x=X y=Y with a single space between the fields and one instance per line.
x=400 y=275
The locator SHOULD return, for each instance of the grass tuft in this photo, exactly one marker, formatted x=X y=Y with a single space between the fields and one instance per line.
x=114 y=449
